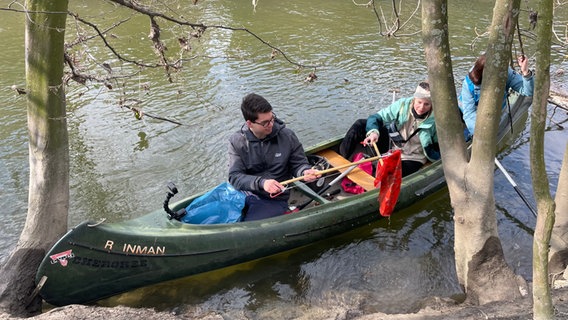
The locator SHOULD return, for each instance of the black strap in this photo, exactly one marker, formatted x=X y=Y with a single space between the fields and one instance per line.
x=509 y=113
x=413 y=133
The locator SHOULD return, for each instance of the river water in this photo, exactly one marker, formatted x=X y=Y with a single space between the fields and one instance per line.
x=120 y=165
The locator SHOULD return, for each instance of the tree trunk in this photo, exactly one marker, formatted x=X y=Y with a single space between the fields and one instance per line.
x=558 y=258
x=542 y=301
x=480 y=263
x=48 y=200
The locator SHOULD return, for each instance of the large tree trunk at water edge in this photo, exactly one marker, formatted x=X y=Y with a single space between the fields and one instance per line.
x=48 y=200
x=559 y=241
x=480 y=263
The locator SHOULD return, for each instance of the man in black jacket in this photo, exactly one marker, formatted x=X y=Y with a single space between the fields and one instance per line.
x=262 y=153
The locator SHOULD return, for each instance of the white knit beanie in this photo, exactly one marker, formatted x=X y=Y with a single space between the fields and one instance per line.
x=421 y=93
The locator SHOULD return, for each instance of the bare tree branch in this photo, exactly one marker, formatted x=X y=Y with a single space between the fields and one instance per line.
x=108 y=45
x=392 y=28
x=202 y=27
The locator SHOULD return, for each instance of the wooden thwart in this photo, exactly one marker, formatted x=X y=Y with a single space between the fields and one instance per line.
x=358 y=176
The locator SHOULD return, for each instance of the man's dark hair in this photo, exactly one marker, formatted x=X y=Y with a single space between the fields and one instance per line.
x=476 y=73
x=252 y=105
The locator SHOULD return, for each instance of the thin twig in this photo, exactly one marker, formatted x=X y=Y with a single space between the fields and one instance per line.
x=139 y=114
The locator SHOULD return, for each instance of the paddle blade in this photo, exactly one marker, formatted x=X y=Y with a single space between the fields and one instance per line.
x=388 y=180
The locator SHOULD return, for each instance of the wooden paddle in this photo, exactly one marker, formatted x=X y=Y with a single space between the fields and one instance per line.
x=329 y=185
x=377 y=151
x=333 y=169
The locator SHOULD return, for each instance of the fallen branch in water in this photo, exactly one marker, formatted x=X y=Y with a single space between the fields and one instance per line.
x=139 y=114
x=558 y=99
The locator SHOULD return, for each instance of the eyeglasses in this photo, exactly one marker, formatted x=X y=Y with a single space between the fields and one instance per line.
x=267 y=123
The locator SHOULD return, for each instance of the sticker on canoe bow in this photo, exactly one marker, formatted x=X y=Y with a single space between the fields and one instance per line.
x=62 y=257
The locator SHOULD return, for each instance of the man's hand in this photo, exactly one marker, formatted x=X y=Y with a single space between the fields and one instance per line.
x=311 y=175
x=524 y=64
x=272 y=186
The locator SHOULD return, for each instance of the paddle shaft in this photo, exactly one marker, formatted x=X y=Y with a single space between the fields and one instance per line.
x=329 y=185
x=377 y=151
x=339 y=178
x=512 y=182
x=333 y=169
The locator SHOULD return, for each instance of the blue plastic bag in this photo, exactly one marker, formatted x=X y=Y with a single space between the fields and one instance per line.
x=223 y=204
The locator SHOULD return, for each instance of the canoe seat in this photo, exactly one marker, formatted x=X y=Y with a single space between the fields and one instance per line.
x=309 y=192
x=358 y=176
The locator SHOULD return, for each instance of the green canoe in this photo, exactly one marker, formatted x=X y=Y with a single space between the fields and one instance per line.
x=95 y=261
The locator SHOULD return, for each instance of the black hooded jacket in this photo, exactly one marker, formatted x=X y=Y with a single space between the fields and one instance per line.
x=279 y=156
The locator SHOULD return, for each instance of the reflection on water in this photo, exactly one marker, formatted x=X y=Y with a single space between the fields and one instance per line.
x=120 y=166
x=143 y=143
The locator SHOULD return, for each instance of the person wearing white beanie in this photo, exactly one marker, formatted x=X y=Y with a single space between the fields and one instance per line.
x=407 y=124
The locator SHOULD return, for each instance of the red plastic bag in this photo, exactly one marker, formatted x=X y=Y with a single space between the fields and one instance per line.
x=350 y=186
x=388 y=180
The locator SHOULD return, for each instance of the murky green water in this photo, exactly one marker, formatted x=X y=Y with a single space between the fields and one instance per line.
x=120 y=166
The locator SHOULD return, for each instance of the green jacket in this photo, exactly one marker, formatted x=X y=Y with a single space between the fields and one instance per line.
x=399 y=111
